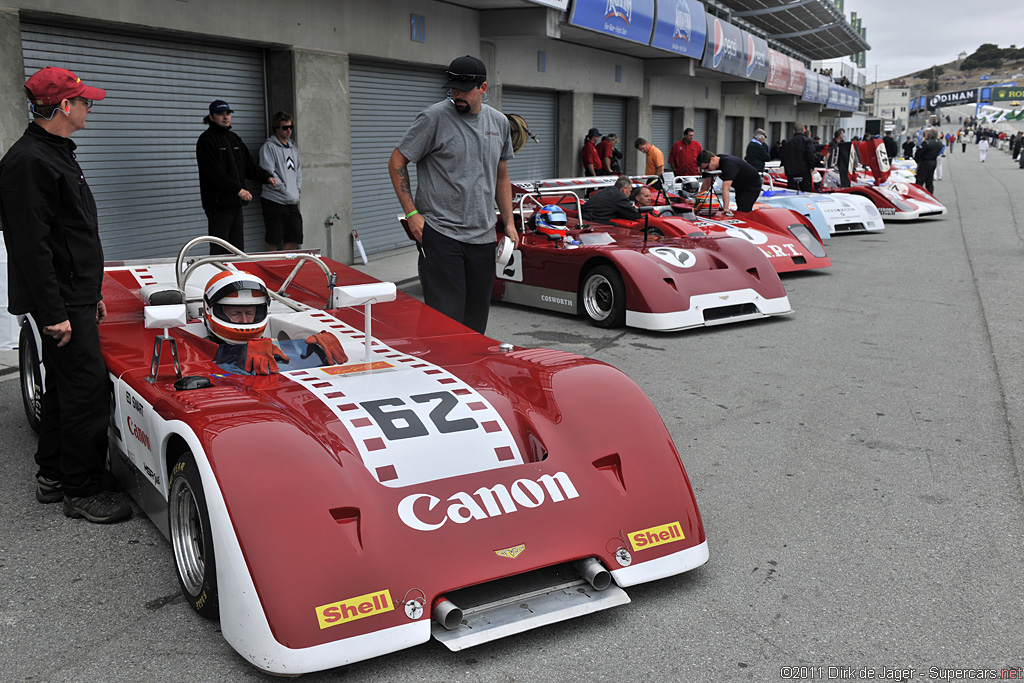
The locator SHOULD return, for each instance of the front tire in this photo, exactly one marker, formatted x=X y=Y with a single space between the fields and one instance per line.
x=31 y=377
x=604 y=297
x=191 y=538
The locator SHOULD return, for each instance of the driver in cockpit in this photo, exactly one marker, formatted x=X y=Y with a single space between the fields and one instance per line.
x=236 y=304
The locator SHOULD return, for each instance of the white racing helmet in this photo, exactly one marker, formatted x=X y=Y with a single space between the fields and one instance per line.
x=235 y=288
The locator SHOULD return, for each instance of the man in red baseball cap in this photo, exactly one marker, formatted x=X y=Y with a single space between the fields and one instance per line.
x=55 y=272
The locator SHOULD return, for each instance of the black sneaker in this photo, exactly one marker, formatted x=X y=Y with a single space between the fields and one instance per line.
x=48 y=490
x=103 y=508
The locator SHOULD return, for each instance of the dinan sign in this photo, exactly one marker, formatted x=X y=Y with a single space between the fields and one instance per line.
x=950 y=98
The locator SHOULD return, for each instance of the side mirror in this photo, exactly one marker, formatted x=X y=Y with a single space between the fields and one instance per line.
x=165 y=316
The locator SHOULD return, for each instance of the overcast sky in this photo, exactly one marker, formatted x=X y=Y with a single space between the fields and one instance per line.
x=907 y=37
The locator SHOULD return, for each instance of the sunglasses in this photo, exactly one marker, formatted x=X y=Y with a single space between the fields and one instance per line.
x=465 y=78
x=289 y=127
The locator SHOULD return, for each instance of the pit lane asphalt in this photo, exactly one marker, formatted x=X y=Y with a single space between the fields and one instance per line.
x=857 y=466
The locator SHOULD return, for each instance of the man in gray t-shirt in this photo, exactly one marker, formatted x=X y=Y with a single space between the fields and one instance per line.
x=461 y=148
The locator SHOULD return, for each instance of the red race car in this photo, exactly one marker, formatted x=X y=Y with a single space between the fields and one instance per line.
x=787 y=239
x=895 y=201
x=618 y=276
x=406 y=487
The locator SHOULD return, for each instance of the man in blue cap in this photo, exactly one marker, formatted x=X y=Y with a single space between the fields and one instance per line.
x=224 y=164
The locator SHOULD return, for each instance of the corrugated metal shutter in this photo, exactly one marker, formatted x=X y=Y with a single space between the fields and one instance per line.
x=729 y=146
x=700 y=127
x=139 y=149
x=385 y=99
x=610 y=117
x=536 y=160
x=661 y=130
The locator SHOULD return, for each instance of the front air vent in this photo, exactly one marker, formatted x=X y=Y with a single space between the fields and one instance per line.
x=726 y=312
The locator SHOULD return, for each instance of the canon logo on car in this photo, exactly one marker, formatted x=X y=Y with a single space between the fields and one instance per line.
x=418 y=510
x=137 y=432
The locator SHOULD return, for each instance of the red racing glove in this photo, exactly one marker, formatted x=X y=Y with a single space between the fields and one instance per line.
x=329 y=348
x=261 y=356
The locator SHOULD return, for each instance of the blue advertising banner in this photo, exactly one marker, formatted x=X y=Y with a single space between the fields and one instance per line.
x=724 y=50
x=844 y=99
x=680 y=28
x=757 y=58
x=628 y=19
x=816 y=88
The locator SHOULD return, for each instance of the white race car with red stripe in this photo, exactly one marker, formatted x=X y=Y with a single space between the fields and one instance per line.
x=331 y=513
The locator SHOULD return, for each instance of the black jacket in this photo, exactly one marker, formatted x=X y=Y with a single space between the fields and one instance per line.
x=50 y=227
x=797 y=156
x=609 y=203
x=928 y=152
x=891 y=148
x=224 y=164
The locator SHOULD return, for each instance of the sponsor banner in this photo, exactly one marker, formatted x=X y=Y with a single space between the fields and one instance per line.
x=843 y=99
x=724 y=49
x=950 y=98
x=756 y=57
x=797 y=77
x=627 y=19
x=778 y=71
x=1005 y=94
x=816 y=88
x=680 y=28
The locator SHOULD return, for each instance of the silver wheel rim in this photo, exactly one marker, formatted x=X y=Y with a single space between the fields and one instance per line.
x=598 y=297
x=187 y=536
x=31 y=385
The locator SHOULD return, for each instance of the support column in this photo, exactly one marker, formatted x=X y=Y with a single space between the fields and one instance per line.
x=322 y=117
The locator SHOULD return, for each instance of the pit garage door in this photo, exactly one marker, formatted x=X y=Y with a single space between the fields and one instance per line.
x=385 y=99
x=661 y=130
x=700 y=127
x=610 y=117
x=138 y=152
x=536 y=160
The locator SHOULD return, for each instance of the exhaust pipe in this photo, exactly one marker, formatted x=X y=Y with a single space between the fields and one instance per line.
x=594 y=572
x=446 y=613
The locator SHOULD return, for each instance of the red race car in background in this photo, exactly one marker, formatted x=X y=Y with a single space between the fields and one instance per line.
x=787 y=239
x=616 y=276
x=895 y=201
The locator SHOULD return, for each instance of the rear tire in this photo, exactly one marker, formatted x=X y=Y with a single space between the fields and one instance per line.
x=31 y=377
x=604 y=297
x=191 y=538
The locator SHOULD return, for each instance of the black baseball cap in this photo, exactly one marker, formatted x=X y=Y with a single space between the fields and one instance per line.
x=465 y=73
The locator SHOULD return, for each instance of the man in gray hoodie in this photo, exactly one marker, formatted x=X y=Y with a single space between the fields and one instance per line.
x=281 y=203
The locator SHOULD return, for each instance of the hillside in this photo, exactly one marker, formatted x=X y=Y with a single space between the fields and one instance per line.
x=994 y=66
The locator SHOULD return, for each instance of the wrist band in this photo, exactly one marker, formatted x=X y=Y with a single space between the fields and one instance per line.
x=411 y=213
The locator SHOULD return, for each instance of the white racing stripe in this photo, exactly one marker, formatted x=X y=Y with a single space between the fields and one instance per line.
x=411 y=420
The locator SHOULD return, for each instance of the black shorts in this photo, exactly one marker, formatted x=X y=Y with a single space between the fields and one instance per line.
x=283 y=223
